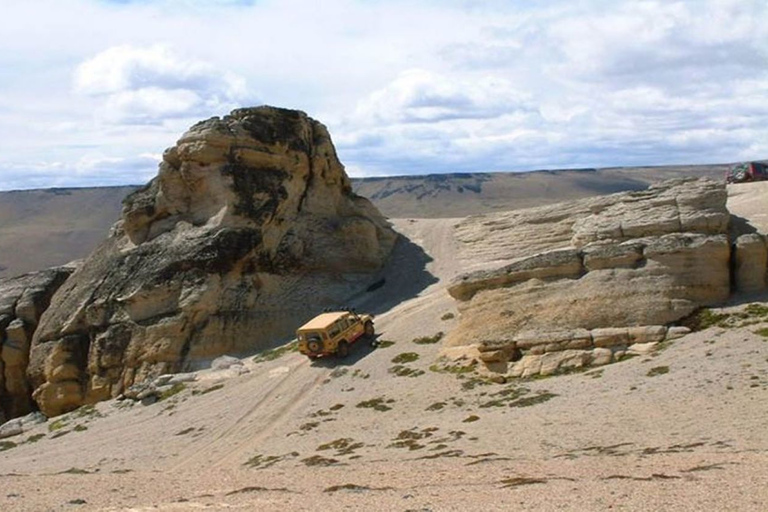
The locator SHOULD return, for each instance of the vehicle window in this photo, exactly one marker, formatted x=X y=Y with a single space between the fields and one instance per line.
x=334 y=330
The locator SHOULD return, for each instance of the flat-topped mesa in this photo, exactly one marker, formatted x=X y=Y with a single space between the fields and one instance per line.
x=626 y=260
x=249 y=228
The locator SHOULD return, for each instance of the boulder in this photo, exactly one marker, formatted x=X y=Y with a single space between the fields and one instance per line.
x=225 y=362
x=750 y=261
x=250 y=228
x=677 y=331
x=622 y=266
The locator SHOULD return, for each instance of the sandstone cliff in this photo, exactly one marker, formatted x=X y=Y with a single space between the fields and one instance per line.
x=596 y=274
x=22 y=301
x=249 y=228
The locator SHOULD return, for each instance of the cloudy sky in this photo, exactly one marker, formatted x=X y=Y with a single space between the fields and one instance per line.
x=92 y=91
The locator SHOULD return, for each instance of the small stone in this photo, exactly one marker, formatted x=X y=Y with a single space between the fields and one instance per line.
x=676 y=332
x=225 y=362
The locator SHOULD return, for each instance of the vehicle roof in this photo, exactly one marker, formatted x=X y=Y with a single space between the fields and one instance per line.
x=323 y=320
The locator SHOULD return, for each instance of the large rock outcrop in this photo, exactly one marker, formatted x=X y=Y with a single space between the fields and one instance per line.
x=599 y=273
x=249 y=228
x=22 y=302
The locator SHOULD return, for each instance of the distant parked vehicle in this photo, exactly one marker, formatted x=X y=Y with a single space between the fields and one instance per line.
x=749 y=171
x=333 y=333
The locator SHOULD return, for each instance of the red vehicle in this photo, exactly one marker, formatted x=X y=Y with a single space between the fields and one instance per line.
x=750 y=171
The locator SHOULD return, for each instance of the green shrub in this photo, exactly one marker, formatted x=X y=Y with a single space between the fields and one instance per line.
x=405 y=357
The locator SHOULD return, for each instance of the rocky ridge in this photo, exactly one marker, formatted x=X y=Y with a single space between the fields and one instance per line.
x=250 y=227
x=582 y=282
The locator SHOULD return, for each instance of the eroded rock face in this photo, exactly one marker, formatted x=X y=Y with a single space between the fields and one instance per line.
x=22 y=301
x=628 y=260
x=249 y=228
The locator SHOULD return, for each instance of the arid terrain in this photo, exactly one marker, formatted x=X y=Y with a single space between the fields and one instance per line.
x=43 y=228
x=391 y=428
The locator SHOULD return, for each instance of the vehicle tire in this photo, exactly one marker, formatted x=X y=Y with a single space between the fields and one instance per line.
x=315 y=346
x=342 y=349
x=370 y=332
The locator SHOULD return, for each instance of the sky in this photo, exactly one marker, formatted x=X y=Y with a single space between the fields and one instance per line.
x=93 y=91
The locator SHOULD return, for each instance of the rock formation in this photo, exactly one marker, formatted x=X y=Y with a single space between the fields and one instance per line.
x=249 y=228
x=22 y=301
x=590 y=278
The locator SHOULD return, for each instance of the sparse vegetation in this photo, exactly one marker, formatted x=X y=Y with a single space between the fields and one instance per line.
x=277 y=352
x=87 y=411
x=658 y=370
x=260 y=461
x=762 y=332
x=343 y=446
x=205 y=391
x=384 y=343
x=441 y=366
x=339 y=372
x=428 y=340
x=437 y=406
x=317 y=460
x=377 y=404
x=517 y=481
x=354 y=488
x=756 y=310
x=57 y=425
x=185 y=431
x=405 y=357
x=409 y=439
x=517 y=397
x=7 y=445
x=705 y=318
x=336 y=407
x=80 y=428
x=473 y=382
x=172 y=391
x=529 y=401
x=35 y=438
x=447 y=316
x=74 y=471
x=404 y=371
x=471 y=418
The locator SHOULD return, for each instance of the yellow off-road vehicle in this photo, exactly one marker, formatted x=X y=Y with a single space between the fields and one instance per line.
x=333 y=333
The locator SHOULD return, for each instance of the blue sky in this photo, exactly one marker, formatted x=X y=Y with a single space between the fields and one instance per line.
x=91 y=92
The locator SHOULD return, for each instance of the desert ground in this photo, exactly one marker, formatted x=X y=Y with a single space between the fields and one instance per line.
x=389 y=429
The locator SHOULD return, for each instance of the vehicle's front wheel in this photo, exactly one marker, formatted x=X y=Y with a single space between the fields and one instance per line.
x=342 y=350
x=369 y=330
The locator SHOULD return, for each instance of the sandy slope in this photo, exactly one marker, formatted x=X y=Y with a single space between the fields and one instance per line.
x=616 y=437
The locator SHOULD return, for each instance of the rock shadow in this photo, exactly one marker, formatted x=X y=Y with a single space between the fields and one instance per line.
x=403 y=277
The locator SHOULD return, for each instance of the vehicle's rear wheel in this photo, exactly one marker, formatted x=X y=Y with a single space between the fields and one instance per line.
x=342 y=350
x=315 y=346
x=369 y=330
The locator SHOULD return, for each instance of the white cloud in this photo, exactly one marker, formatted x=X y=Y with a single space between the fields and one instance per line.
x=151 y=84
x=403 y=86
x=418 y=96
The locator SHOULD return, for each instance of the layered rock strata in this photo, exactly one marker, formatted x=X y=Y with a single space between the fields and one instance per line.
x=249 y=228
x=23 y=300
x=554 y=279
